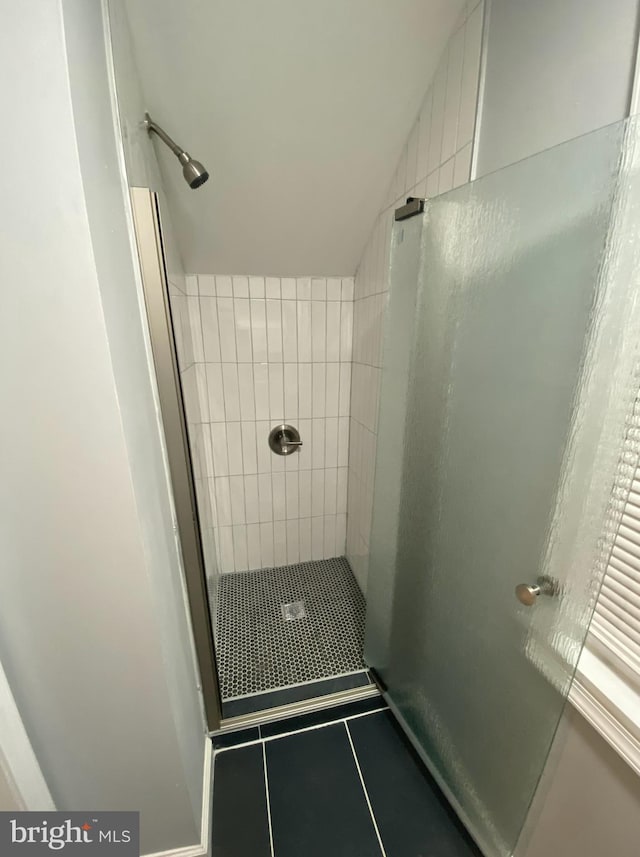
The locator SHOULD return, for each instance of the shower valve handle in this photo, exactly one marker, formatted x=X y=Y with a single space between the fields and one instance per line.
x=284 y=439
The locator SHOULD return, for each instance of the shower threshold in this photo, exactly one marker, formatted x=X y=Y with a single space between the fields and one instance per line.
x=290 y=639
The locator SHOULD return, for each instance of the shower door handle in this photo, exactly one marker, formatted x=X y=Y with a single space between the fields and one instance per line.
x=527 y=593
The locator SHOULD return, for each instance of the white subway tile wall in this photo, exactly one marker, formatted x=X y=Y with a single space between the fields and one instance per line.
x=435 y=159
x=185 y=309
x=258 y=351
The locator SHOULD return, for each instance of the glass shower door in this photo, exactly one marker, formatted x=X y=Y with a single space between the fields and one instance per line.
x=494 y=456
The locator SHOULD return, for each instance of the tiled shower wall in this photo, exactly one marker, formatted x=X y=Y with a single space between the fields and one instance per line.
x=266 y=350
x=436 y=158
x=185 y=313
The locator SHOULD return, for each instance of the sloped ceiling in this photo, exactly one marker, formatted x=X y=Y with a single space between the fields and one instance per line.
x=298 y=108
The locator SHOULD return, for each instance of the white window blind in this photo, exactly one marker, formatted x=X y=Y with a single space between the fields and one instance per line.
x=616 y=621
x=607 y=690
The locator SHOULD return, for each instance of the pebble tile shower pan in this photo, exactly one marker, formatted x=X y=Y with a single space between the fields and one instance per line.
x=288 y=625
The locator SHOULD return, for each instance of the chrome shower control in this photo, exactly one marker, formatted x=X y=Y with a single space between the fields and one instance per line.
x=527 y=593
x=284 y=439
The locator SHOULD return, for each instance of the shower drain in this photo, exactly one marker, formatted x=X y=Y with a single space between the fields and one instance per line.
x=260 y=648
x=294 y=610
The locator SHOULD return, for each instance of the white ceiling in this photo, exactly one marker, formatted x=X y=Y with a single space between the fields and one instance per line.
x=298 y=108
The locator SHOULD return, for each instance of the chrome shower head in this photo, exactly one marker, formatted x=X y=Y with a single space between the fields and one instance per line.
x=193 y=171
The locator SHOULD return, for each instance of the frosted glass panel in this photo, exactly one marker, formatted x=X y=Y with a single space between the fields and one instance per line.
x=496 y=453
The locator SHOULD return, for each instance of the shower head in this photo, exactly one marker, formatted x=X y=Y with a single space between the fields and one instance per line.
x=193 y=171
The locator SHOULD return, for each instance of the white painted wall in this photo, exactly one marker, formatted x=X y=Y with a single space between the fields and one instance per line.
x=553 y=71
x=299 y=110
x=107 y=200
x=142 y=170
x=93 y=651
x=141 y=164
x=589 y=800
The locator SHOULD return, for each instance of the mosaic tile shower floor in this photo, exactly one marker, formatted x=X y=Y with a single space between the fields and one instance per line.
x=288 y=625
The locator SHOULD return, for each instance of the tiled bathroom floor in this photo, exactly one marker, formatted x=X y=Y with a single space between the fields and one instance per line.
x=346 y=783
x=287 y=626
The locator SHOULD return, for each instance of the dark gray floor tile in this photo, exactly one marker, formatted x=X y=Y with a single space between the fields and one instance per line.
x=264 y=701
x=336 y=712
x=240 y=820
x=232 y=739
x=412 y=815
x=318 y=807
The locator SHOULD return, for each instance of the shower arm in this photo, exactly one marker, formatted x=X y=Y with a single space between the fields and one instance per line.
x=151 y=126
x=194 y=173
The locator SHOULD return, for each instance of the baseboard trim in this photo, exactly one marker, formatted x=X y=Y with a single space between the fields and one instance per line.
x=203 y=849
x=189 y=851
x=207 y=798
